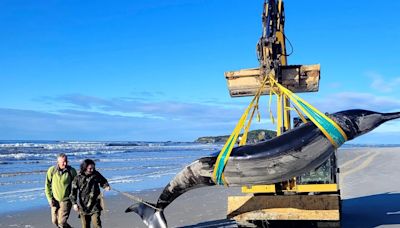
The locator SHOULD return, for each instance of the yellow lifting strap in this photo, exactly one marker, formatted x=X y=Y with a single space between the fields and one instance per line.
x=328 y=127
x=223 y=156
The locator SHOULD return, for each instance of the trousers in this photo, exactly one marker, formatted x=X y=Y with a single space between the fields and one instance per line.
x=60 y=214
x=91 y=218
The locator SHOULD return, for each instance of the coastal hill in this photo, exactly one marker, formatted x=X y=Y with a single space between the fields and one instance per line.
x=252 y=137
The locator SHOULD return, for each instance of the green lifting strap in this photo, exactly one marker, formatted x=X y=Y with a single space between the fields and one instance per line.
x=329 y=128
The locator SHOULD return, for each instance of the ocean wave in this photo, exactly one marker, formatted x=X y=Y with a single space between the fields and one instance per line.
x=117 y=168
x=39 y=155
x=31 y=192
x=135 y=146
x=23 y=165
x=21 y=145
x=26 y=193
x=163 y=174
x=21 y=173
x=20 y=182
x=19 y=191
x=26 y=155
x=139 y=167
x=25 y=197
x=143 y=159
x=121 y=179
x=126 y=181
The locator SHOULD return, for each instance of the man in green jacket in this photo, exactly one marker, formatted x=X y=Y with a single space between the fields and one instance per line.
x=58 y=188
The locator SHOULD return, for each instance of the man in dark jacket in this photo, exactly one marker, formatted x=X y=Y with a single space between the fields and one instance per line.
x=86 y=184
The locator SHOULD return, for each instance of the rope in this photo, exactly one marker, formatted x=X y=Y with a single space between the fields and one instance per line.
x=137 y=199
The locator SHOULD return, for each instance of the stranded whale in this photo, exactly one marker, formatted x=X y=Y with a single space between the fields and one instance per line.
x=281 y=158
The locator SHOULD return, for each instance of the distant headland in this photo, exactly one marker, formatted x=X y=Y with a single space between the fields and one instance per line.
x=252 y=137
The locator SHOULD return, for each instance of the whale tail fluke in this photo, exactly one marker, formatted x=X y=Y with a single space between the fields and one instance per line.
x=153 y=218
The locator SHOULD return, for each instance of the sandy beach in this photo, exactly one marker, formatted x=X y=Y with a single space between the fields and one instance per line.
x=368 y=180
x=370 y=187
x=203 y=205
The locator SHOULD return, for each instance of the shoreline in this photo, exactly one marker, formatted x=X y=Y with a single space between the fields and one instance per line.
x=194 y=207
x=368 y=182
x=108 y=195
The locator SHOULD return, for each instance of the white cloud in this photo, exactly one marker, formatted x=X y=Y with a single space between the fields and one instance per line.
x=352 y=100
x=127 y=118
x=383 y=84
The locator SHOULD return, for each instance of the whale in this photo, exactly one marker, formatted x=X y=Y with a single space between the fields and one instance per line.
x=291 y=154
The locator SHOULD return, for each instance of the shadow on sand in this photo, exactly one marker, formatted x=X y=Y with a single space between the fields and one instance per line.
x=214 y=224
x=367 y=211
x=371 y=211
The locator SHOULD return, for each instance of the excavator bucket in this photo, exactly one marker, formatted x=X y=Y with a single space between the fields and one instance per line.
x=297 y=78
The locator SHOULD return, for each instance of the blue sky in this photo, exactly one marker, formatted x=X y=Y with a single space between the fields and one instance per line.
x=154 y=70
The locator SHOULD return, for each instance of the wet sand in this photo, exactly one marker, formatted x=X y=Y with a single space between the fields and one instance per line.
x=368 y=179
x=199 y=206
x=370 y=187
